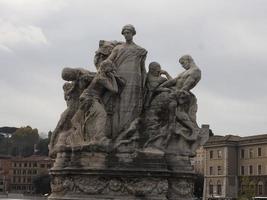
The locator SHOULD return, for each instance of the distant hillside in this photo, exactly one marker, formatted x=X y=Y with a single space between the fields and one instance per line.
x=6 y=129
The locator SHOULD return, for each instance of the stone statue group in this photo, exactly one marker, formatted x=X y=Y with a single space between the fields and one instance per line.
x=123 y=108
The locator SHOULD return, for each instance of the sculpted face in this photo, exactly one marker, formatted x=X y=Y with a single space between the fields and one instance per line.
x=154 y=69
x=128 y=35
x=185 y=63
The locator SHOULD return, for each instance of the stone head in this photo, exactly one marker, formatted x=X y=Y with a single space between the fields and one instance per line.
x=185 y=61
x=105 y=47
x=69 y=74
x=154 y=68
x=128 y=31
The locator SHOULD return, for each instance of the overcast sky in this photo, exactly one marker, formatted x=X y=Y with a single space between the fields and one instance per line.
x=227 y=39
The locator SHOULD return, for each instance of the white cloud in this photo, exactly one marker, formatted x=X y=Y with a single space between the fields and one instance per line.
x=20 y=22
x=12 y=35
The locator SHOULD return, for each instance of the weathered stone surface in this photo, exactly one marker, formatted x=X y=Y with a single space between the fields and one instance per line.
x=120 y=184
x=126 y=133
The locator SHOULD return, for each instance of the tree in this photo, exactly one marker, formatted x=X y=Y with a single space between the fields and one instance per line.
x=7 y=129
x=5 y=145
x=198 y=187
x=42 y=147
x=247 y=188
x=23 y=141
x=42 y=184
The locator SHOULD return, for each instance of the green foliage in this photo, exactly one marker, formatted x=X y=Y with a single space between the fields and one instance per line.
x=7 y=129
x=247 y=190
x=42 y=184
x=42 y=147
x=199 y=182
x=23 y=141
x=5 y=146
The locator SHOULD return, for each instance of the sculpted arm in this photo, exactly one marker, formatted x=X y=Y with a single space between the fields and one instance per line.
x=143 y=71
x=169 y=83
x=191 y=81
x=166 y=74
x=111 y=86
x=113 y=54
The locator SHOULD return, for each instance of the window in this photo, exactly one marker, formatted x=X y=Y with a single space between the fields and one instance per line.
x=243 y=188
x=260 y=188
x=211 y=170
x=250 y=153
x=14 y=171
x=219 y=170
x=211 y=154
x=250 y=169
x=242 y=170
x=242 y=153
x=219 y=152
x=42 y=165
x=210 y=189
x=219 y=188
x=25 y=164
x=24 y=171
x=259 y=169
x=35 y=164
x=259 y=151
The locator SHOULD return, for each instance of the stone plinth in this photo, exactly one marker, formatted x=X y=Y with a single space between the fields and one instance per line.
x=107 y=177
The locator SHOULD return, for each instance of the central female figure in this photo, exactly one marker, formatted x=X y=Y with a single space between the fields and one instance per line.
x=129 y=61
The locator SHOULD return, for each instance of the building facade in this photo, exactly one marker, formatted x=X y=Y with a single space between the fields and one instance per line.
x=23 y=171
x=233 y=163
x=199 y=160
x=5 y=164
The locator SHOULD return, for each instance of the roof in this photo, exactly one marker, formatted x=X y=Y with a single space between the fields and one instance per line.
x=236 y=140
x=224 y=138
x=32 y=158
x=5 y=157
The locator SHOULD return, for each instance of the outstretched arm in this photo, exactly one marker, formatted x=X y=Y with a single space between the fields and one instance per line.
x=169 y=83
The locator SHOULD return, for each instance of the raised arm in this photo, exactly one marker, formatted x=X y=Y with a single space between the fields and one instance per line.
x=113 y=54
x=112 y=85
x=166 y=74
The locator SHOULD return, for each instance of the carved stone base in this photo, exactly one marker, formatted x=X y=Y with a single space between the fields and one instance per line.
x=81 y=184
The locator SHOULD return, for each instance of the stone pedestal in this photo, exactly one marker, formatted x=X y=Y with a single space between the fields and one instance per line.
x=98 y=176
